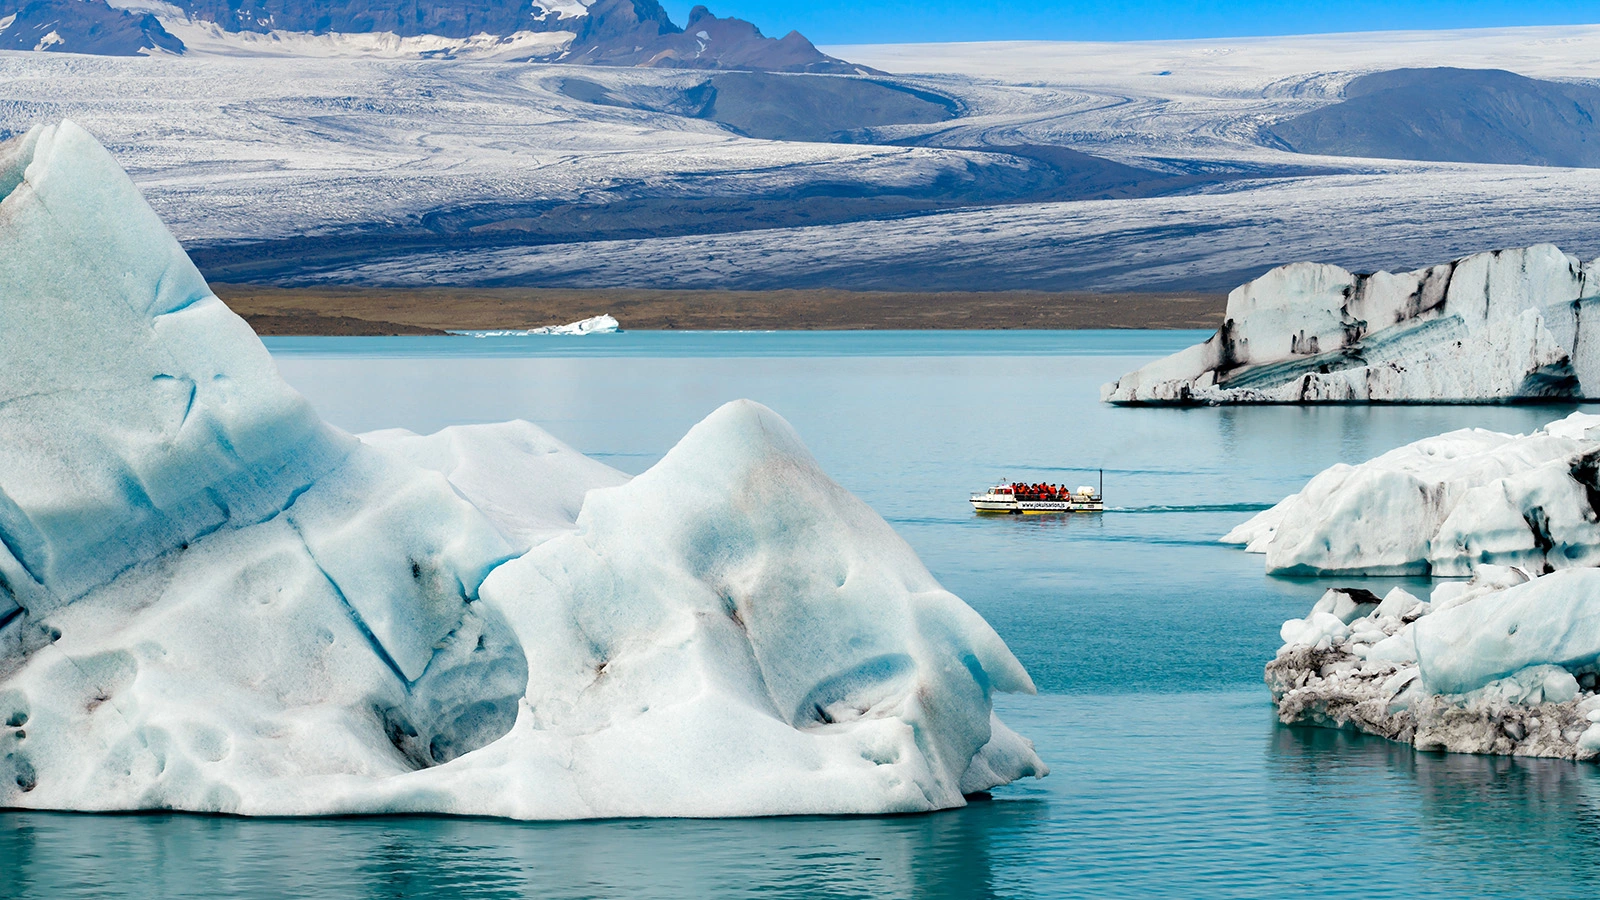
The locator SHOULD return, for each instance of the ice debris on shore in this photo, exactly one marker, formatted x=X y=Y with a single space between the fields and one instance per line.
x=601 y=324
x=1444 y=506
x=1511 y=324
x=210 y=600
x=1503 y=664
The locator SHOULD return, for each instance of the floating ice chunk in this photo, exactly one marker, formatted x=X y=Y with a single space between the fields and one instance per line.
x=1509 y=666
x=112 y=457
x=1554 y=619
x=601 y=324
x=1492 y=326
x=734 y=582
x=1445 y=505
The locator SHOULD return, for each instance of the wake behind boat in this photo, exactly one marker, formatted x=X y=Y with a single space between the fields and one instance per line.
x=1020 y=499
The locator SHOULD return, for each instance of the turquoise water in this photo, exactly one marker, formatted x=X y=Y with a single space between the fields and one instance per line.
x=1146 y=638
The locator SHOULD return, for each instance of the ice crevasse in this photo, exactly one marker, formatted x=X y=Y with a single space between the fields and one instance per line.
x=1496 y=326
x=211 y=600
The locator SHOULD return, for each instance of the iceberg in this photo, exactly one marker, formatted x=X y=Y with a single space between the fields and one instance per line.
x=601 y=324
x=212 y=601
x=1492 y=327
x=1444 y=506
x=1505 y=664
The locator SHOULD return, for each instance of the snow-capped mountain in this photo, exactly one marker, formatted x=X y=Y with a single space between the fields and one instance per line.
x=82 y=27
x=593 y=32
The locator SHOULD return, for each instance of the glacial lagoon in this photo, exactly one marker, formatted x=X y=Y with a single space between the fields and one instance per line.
x=1146 y=639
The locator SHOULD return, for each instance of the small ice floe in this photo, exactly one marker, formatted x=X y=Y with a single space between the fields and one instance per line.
x=1510 y=324
x=601 y=324
x=1444 y=505
x=1505 y=664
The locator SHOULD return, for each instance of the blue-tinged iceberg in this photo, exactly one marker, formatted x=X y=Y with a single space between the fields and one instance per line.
x=210 y=600
x=1493 y=327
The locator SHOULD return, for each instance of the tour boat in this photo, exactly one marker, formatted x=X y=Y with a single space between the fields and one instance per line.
x=1019 y=499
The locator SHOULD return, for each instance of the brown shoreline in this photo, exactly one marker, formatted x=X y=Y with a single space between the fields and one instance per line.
x=389 y=311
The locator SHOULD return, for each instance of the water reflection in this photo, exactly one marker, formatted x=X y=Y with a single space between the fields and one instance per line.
x=1480 y=825
x=945 y=855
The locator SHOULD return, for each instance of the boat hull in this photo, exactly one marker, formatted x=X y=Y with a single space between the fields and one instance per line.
x=1034 y=507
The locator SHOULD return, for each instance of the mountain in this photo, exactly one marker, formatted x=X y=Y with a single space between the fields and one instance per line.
x=1454 y=115
x=602 y=32
x=76 y=26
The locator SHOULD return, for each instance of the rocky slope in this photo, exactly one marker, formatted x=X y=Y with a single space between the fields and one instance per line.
x=82 y=27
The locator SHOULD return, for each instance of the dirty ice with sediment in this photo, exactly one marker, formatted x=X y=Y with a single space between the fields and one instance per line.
x=1492 y=327
x=1507 y=662
x=211 y=600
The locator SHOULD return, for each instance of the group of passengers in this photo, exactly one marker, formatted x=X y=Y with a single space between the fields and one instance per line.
x=1040 y=491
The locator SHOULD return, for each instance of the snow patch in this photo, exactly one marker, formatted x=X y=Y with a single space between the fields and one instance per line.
x=208 y=38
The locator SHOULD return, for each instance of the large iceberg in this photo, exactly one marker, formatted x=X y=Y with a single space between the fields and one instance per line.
x=1511 y=324
x=1444 y=506
x=210 y=600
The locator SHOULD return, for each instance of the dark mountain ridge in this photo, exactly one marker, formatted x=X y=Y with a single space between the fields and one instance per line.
x=1453 y=115
x=81 y=27
x=608 y=32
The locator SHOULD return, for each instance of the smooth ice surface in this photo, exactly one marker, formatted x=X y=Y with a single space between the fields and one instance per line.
x=213 y=601
x=1444 y=505
x=1491 y=327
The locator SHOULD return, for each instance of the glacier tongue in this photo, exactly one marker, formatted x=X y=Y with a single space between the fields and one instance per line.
x=210 y=600
x=1493 y=326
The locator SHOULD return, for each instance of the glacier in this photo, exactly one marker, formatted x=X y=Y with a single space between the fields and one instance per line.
x=1490 y=327
x=1444 y=506
x=212 y=601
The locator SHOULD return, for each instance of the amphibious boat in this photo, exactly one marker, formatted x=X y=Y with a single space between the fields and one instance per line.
x=1020 y=499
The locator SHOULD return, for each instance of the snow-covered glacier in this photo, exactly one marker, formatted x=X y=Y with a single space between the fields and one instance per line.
x=1444 y=506
x=1505 y=325
x=211 y=600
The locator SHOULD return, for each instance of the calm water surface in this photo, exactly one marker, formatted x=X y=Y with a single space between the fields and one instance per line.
x=1146 y=638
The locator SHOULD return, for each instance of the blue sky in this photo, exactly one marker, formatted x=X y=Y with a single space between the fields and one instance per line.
x=874 y=21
